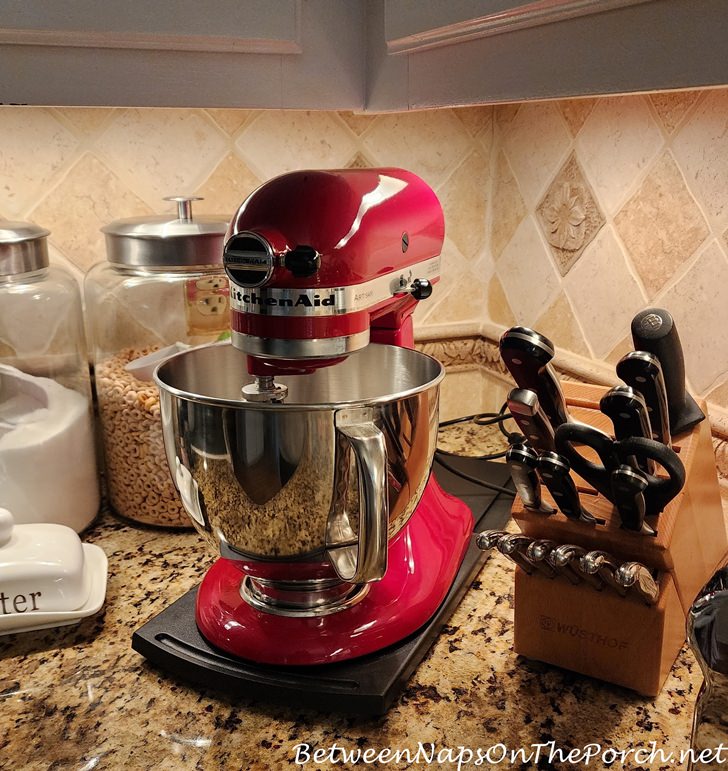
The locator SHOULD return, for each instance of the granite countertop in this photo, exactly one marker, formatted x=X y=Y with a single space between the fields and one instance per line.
x=80 y=698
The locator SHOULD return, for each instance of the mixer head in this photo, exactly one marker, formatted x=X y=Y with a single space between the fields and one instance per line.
x=323 y=262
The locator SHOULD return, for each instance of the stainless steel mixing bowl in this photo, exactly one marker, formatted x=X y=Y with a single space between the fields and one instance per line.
x=329 y=475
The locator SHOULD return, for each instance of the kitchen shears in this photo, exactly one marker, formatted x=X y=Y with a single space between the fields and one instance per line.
x=615 y=454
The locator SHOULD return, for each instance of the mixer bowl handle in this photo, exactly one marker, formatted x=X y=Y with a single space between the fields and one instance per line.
x=367 y=560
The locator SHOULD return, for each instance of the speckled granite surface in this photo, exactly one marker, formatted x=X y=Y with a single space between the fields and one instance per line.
x=80 y=698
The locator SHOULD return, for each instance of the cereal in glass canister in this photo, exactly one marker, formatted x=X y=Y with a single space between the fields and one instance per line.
x=162 y=289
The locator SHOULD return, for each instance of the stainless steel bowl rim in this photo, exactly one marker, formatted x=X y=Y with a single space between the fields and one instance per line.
x=294 y=407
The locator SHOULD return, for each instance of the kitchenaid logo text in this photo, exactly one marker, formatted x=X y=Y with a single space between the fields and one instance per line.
x=20 y=603
x=546 y=753
x=549 y=624
x=301 y=301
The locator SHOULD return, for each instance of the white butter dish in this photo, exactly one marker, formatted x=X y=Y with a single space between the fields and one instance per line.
x=47 y=576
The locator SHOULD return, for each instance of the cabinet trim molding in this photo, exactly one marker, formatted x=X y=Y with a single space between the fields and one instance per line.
x=521 y=16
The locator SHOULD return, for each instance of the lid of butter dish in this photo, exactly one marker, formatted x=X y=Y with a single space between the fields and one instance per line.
x=42 y=568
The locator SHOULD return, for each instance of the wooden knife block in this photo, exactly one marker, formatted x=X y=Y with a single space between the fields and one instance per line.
x=597 y=633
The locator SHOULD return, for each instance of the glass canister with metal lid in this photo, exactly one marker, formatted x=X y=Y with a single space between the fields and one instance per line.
x=161 y=289
x=48 y=471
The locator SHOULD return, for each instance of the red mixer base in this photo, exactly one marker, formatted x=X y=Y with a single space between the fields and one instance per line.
x=423 y=561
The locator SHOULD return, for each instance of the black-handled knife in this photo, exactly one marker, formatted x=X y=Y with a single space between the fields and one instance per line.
x=628 y=491
x=522 y=462
x=554 y=470
x=627 y=410
x=654 y=330
x=525 y=408
x=642 y=370
x=528 y=355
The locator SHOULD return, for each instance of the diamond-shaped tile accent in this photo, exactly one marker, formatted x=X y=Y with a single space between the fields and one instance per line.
x=661 y=226
x=508 y=208
x=89 y=197
x=226 y=188
x=672 y=106
x=699 y=304
x=603 y=293
x=159 y=153
x=701 y=149
x=618 y=141
x=536 y=143
x=281 y=141
x=569 y=215
x=464 y=198
x=34 y=148
x=575 y=112
x=429 y=143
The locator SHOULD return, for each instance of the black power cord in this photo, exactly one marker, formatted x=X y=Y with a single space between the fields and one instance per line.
x=480 y=419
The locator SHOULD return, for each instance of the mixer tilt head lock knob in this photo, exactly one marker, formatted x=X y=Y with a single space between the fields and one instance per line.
x=303 y=261
x=421 y=289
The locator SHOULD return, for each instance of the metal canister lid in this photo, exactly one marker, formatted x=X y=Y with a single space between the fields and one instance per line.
x=23 y=247
x=165 y=241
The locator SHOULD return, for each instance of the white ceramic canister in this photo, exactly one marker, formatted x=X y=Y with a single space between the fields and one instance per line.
x=48 y=471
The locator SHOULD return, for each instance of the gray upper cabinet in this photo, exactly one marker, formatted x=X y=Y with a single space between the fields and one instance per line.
x=449 y=52
x=214 y=53
x=374 y=55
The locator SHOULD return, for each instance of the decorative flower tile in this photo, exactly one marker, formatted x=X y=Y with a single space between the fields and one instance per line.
x=569 y=215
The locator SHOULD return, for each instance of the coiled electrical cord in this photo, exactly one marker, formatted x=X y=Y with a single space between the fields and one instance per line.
x=481 y=419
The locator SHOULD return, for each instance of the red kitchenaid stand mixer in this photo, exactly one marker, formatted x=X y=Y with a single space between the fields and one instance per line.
x=326 y=269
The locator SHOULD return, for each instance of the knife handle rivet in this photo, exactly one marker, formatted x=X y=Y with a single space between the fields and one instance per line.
x=517 y=361
x=640 y=379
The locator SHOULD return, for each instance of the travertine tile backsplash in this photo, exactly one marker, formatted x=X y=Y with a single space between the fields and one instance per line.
x=566 y=216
